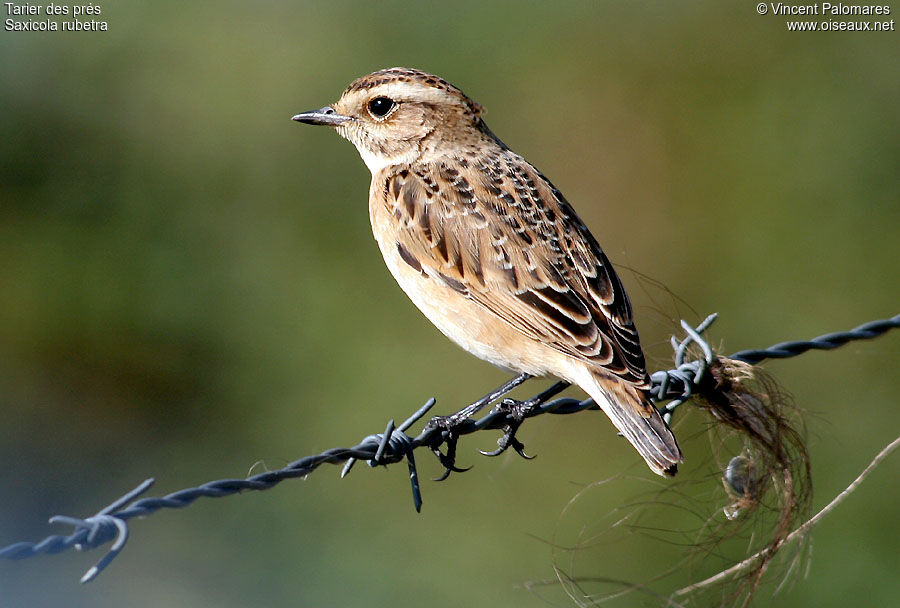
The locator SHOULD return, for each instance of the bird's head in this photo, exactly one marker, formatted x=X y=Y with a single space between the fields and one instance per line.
x=396 y=115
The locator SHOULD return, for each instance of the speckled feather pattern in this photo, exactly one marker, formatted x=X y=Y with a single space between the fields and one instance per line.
x=495 y=231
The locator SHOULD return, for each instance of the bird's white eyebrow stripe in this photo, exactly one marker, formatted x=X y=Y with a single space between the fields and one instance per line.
x=401 y=91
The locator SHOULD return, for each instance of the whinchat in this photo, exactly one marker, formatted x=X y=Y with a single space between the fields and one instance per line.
x=491 y=252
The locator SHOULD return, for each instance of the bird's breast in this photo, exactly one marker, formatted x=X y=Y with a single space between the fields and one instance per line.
x=464 y=321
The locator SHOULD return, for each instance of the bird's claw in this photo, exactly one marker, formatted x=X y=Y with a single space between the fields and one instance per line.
x=516 y=411
x=450 y=427
x=448 y=460
x=450 y=469
x=509 y=440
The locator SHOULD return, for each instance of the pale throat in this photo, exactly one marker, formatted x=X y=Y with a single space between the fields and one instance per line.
x=378 y=160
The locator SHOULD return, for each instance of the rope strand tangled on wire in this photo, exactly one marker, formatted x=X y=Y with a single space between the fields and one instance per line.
x=394 y=445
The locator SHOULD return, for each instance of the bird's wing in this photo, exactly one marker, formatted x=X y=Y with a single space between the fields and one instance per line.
x=496 y=231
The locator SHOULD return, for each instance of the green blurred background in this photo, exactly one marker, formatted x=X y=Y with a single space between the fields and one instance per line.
x=188 y=286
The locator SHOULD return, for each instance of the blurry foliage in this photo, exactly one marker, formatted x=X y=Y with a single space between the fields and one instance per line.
x=188 y=284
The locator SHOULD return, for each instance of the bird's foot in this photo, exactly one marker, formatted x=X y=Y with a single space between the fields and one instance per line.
x=516 y=412
x=449 y=425
x=453 y=426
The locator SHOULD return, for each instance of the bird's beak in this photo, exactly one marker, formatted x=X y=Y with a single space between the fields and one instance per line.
x=323 y=116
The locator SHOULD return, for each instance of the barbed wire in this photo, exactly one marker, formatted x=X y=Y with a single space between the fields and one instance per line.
x=676 y=385
x=783 y=350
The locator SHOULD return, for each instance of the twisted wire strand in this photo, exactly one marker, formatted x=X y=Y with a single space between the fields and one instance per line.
x=783 y=350
x=394 y=445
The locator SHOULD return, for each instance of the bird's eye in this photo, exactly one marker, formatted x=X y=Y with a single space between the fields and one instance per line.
x=380 y=106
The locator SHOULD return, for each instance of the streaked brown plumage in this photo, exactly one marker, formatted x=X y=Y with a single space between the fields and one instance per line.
x=491 y=252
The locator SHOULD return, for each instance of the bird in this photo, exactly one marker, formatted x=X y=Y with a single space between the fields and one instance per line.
x=491 y=251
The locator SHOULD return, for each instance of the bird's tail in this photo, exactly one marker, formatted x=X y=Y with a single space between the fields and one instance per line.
x=630 y=410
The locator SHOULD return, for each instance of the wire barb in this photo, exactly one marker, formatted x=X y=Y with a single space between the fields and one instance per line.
x=394 y=445
x=679 y=384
